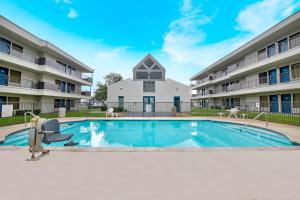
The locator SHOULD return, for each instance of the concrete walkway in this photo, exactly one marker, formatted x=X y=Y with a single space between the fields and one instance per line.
x=220 y=175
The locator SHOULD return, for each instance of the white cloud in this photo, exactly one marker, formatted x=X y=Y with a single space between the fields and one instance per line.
x=72 y=13
x=260 y=16
x=184 y=42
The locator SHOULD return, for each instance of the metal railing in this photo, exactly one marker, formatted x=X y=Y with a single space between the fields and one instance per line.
x=53 y=64
x=255 y=118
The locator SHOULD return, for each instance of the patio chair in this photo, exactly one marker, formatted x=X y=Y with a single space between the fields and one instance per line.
x=233 y=112
x=110 y=111
x=51 y=133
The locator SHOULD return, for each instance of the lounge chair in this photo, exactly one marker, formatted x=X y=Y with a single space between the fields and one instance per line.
x=51 y=133
x=110 y=111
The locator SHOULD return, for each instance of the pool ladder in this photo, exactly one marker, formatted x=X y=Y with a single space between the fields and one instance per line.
x=252 y=120
x=25 y=116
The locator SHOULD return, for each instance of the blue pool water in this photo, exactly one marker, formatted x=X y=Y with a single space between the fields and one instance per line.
x=161 y=133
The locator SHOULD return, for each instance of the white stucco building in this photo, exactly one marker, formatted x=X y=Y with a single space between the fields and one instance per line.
x=261 y=75
x=37 y=76
x=149 y=90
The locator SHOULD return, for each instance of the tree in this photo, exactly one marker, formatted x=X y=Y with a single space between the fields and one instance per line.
x=101 y=90
x=101 y=93
x=112 y=78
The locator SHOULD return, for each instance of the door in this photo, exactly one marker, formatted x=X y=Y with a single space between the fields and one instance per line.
x=121 y=101
x=149 y=104
x=284 y=74
x=68 y=105
x=63 y=86
x=273 y=103
x=232 y=103
x=286 y=103
x=3 y=76
x=2 y=102
x=177 y=103
x=272 y=77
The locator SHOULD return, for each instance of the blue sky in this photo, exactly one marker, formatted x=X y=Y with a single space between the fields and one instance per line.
x=114 y=35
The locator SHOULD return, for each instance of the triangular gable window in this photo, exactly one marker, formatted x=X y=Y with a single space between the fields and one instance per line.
x=156 y=67
x=142 y=67
x=149 y=62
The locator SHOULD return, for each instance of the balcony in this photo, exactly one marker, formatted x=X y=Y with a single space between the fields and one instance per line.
x=41 y=61
x=237 y=70
x=40 y=86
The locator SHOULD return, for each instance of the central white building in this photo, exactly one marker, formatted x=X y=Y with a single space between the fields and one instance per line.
x=149 y=91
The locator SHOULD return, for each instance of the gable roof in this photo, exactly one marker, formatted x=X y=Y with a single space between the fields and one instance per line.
x=146 y=63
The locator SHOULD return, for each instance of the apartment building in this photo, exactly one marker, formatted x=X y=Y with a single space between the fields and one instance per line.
x=35 y=75
x=264 y=72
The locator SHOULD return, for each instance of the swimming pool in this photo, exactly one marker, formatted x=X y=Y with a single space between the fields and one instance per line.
x=161 y=133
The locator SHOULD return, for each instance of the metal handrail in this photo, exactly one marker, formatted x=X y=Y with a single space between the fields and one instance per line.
x=25 y=114
x=267 y=123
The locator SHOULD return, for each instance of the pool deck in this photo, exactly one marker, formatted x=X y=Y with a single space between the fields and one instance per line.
x=292 y=132
x=214 y=175
x=210 y=174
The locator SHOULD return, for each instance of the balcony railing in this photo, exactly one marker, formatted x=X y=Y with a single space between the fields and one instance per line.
x=236 y=66
x=53 y=64
x=40 y=85
x=263 y=81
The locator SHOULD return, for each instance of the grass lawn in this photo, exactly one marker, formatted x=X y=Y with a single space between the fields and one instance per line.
x=272 y=117
x=20 y=119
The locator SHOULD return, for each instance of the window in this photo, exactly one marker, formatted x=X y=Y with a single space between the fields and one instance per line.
x=58 y=84
x=141 y=75
x=224 y=72
x=149 y=86
x=63 y=66
x=149 y=62
x=15 y=77
x=15 y=101
x=296 y=71
x=142 y=67
x=70 y=88
x=271 y=50
x=295 y=40
x=263 y=78
x=17 y=50
x=264 y=101
x=262 y=54
x=156 y=67
x=121 y=101
x=296 y=100
x=5 y=45
x=59 y=103
x=155 y=75
x=282 y=45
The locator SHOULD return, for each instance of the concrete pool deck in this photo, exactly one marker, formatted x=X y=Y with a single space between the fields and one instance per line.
x=216 y=175
x=95 y=173
x=292 y=132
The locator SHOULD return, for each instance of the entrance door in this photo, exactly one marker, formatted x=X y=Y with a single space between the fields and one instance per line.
x=273 y=103
x=149 y=104
x=68 y=105
x=286 y=103
x=177 y=103
x=3 y=76
x=272 y=77
x=284 y=74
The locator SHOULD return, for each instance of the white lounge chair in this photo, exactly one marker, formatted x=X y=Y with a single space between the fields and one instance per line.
x=233 y=112
x=110 y=111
